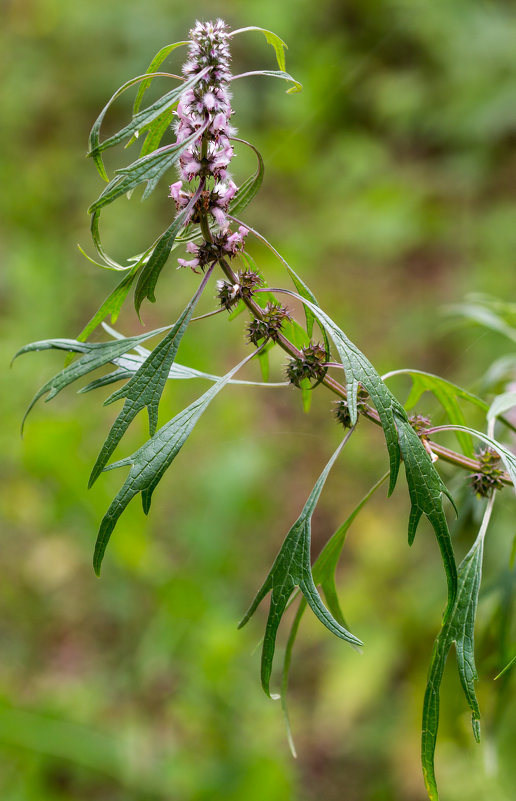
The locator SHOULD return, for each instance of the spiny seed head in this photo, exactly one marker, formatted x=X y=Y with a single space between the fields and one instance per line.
x=269 y=327
x=309 y=365
x=341 y=412
x=489 y=478
x=341 y=408
x=229 y=294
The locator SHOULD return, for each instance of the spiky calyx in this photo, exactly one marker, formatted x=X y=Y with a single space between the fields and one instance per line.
x=489 y=478
x=309 y=366
x=273 y=317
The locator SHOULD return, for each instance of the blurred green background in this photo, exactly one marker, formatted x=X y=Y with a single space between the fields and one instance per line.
x=390 y=187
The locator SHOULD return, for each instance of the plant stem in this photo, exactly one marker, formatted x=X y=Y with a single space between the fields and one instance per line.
x=446 y=454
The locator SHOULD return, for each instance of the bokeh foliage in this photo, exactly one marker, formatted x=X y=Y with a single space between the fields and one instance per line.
x=390 y=188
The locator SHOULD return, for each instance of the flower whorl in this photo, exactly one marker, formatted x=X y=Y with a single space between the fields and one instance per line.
x=207 y=106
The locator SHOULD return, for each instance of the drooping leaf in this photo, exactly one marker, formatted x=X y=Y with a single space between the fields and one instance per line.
x=323 y=572
x=145 y=388
x=112 y=304
x=278 y=44
x=426 y=489
x=359 y=371
x=425 y=484
x=140 y=120
x=457 y=628
x=292 y=569
x=94 y=138
x=149 y=463
x=149 y=169
x=96 y=354
x=151 y=271
x=448 y=395
x=156 y=62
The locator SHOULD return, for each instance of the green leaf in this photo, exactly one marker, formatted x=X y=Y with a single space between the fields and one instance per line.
x=426 y=489
x=156 y=132
x=96 y=354
x=292 y=569
x=360 y=371
x=457 y=628
x=145 y=388
x=152 y=269
x=250 y=187
x=149 y=169
x=488 y=313
x=278 y=44
x=94 y=138
x=156 y=62
x=425 y=484
x=140 y=121
x=150 y=462
x=448 y=395
x=112 y=304
x=323 y=572
x=297 y=87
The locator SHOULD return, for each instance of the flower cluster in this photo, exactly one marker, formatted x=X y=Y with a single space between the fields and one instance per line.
x=310 y=366
x=206 y=108
x=225 y=244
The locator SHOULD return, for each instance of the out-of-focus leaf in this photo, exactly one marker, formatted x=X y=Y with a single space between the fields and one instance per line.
x=488 y=313
x=149 y=463
x=272 y=39
x=448 y=395
x=96 y=354
x=297 y=87
x=112 y=304
x=323 y=573
x=502 y=403
x=156 y=62
x=457 y=628
x=292 y=569
x=507 y=667
x=145 y=388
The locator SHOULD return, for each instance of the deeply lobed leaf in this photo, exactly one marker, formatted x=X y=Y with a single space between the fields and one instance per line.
x=292 y=569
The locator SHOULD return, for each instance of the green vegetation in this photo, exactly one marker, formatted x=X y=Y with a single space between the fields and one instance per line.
x=389 y=187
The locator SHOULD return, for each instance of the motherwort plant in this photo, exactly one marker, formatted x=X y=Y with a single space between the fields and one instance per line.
x=206 y=206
